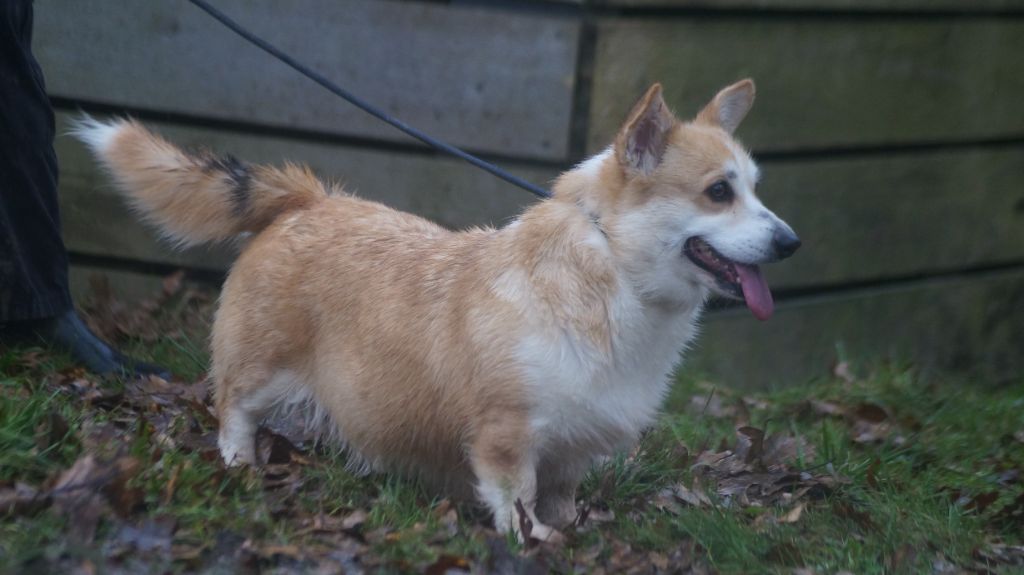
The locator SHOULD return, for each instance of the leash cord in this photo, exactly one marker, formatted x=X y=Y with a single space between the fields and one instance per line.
x=364 y=106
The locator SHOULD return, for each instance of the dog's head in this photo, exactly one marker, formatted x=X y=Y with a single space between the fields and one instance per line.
x=680 y=196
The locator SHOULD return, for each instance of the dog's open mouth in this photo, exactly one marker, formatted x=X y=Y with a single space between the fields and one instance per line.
x=741 y=281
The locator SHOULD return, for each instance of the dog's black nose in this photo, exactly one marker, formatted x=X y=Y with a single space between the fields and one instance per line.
x=785 y=242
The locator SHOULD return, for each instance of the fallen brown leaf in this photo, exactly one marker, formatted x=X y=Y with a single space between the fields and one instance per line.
x=742 y=417
x=751 y=444
x=843 y=371
x=446 y=564
x=502 y=561
x=827 y=408
x=30 y=359
x=690 y=497
x=871 y=476
x=666 y=501
x=22 y=499
x=148 y=537
x=354 y=520
x=78 y=493
x=781 y=450
x=864 y=431
x=848 y=511
x=711 y=405
x=680 y=456
x=51 y=431
x=274 y=449
x=902 y=560
x=172 y=483
x=999 y=553
x=122 y=498
x=870 y=412
x=271 y=551
x=745 y=478
x=1012 y=514
x=794 y=514
x=600 y=515
x=979 y=502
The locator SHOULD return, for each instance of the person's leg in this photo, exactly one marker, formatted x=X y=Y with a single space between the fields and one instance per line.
x=34 y=296
x=33 y=262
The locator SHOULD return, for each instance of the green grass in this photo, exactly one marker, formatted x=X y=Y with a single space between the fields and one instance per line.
x=897 y=513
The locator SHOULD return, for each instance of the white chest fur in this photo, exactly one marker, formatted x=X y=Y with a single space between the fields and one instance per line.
x=587 y=399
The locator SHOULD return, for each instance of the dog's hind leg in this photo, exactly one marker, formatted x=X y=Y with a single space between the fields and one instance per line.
x=237 y=436
x=241 y=410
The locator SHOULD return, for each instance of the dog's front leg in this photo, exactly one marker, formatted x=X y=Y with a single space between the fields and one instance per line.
x=505 y=466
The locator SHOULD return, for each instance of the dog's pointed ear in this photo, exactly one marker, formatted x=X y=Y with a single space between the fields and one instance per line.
x=729 y=106
x=642 y=140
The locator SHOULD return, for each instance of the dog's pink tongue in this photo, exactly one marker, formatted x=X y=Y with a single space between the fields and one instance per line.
x=755 y=291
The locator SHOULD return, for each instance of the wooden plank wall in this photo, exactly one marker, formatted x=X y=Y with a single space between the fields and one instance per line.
x=889 y=133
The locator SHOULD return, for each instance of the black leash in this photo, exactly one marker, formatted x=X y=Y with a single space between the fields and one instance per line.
x=362 y=105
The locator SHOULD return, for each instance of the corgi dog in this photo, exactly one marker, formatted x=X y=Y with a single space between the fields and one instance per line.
x=495 y=363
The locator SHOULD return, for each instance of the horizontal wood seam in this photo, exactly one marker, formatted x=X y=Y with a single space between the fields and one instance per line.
x=312 y=136
x=788 y=295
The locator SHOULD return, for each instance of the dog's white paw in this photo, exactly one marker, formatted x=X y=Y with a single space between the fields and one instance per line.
x=545 y=534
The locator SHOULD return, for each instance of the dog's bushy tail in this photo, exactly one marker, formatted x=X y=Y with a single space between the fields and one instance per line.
x=195 y=197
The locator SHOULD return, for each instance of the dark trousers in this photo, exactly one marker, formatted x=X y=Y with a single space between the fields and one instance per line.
x=33 y=260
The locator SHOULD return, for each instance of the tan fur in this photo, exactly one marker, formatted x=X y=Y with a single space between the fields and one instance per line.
x=190 y=195
x=411 y=337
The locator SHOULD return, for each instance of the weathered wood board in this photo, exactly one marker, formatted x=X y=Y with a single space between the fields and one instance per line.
x=447 y=191
x=860 y=218
x=923 y=6
x=971 y=324
x=501 y=78
x=486 y=78
x=127 y=287
x=871 y=217
x=822 y=82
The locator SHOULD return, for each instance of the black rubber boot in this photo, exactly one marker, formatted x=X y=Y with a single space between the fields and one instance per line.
x=69 y=333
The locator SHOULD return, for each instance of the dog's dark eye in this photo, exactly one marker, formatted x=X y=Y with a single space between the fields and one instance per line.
x=719 y=192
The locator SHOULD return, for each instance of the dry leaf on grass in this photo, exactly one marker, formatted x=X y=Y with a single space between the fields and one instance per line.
x=719 y=405
x=712 y=405
x=822 y=407
x=843 y=371
x=502 y=561
x=1011 y=514
x=1000 y=553
x=978 y=503
x=51 y=431
x=793 y=515
x=153 y=536
x=759 y=470
x=447 y=564
x=22 y=499
x=868 y=422
x=848 y=511
x=691 y=497
x=902 y=560
x=166 y=310
x=89 y=489
x=355 y=520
